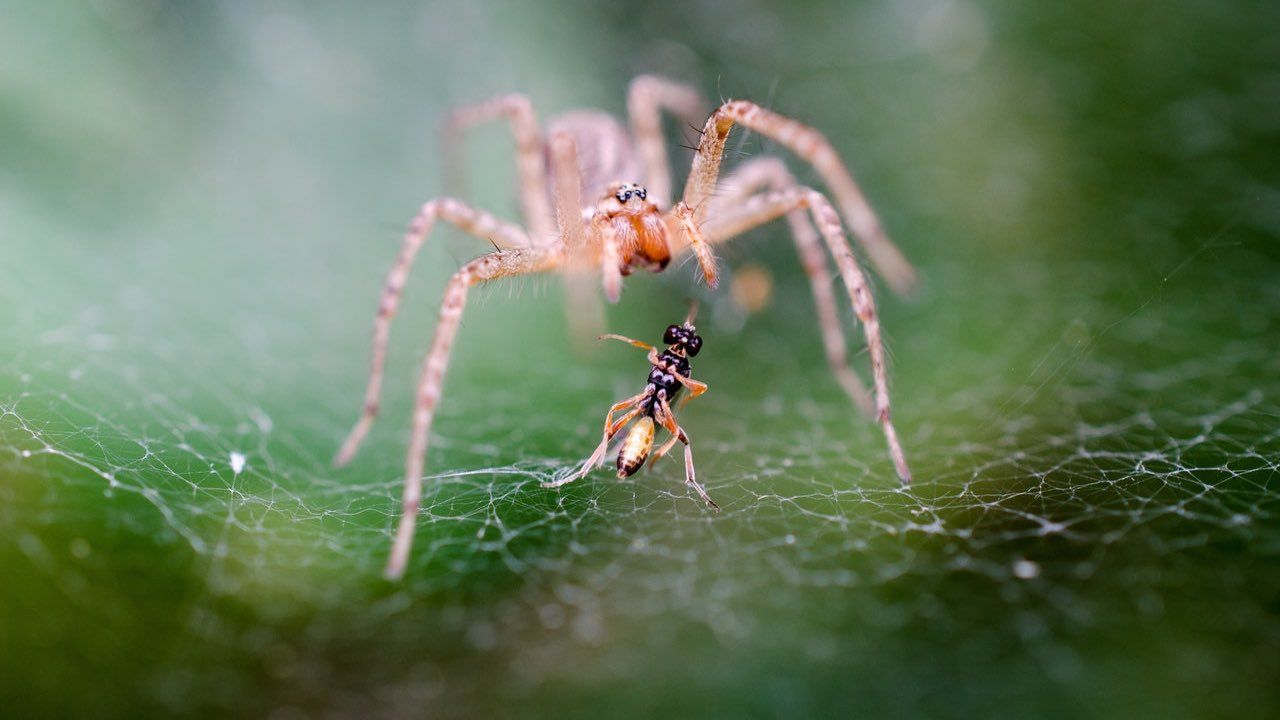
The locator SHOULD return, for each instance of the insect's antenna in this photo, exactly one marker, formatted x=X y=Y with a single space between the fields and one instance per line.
x=693 y=312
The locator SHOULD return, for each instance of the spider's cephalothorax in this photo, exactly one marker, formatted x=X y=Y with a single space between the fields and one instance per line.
x=651 y=408
x=596 y=196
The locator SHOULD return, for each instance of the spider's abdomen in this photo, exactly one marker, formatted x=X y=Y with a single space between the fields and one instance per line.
x=635 y=449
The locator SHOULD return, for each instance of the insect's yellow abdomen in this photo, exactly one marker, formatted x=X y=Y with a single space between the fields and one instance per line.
x=635 y=449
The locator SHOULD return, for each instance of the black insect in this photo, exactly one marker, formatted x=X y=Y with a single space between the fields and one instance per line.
x=651 y=408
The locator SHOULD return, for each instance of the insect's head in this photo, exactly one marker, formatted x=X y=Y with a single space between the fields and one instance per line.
x=627 y=191
x=684 y=338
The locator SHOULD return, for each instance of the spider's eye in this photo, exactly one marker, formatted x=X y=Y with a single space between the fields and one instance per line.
x=673 y=332
x=694 y=344
x=641 y=193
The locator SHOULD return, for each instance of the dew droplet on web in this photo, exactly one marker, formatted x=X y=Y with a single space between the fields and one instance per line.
x=1026 y=569
x=237 y=462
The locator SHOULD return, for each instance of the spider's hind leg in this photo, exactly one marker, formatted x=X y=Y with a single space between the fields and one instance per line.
x=477 y=223
x=814 y=148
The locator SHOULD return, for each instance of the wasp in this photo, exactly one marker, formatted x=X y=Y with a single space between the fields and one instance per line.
x=651 y=408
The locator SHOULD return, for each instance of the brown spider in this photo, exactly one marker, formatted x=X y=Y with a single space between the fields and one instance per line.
x=585 y=168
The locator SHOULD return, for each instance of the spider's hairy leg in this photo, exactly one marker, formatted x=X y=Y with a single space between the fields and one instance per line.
x=815 y=149
x=764 y=208
x=668 y=421
x=530 y=155
x=684 y=217
x=648 y=96
x=494 y=266
x=583 y=310
x=475 y=222
x=610 y=256
x=770 y=173
x=611 y=428
x=567 y=183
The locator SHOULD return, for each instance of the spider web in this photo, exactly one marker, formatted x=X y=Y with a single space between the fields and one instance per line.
x=1085 y=480
x=1086 y=387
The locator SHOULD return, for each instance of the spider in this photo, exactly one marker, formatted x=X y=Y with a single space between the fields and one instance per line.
x=670 y=373
x=597 y=198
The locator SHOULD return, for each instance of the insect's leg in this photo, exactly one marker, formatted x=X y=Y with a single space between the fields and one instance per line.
x=665 y=448
x=648 y=96
x=770 y=173
x=668 y=421
x=611 y=428
x=597 y=457
x=638 y=343
x=530 y=155
x=690 y=477
x=478 y=223
x=502 y=264
x=695 y=387
x=763 y=208
x=814 y=148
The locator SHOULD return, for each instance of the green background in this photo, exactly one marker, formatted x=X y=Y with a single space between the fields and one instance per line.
x=198 y=202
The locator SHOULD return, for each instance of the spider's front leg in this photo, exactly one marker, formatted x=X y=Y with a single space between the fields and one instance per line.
x=648 y=96
x=771 y=174
x=477 y=223
x=764 y=208
x=494 y=266
x=815 y=149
